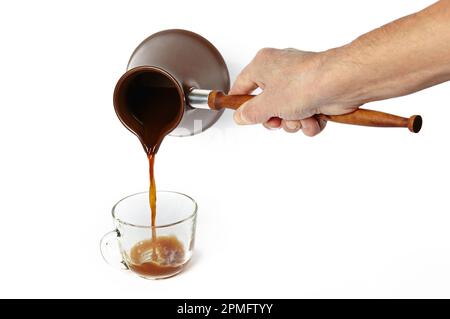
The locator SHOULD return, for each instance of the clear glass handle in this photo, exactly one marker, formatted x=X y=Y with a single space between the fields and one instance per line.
x=110 y=250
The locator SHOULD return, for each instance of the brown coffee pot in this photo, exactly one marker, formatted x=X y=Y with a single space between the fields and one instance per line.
x=190 y=63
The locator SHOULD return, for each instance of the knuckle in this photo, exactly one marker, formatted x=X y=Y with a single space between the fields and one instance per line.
x=307 y=133
x=251 y=114
x=310 y=132
x=264 y=53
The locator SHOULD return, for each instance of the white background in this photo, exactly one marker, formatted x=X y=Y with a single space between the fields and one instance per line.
x=354 y=212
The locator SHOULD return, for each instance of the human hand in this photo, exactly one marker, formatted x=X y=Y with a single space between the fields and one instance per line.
x=295 y=85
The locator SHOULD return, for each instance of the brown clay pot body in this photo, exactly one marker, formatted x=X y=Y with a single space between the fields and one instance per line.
x=188 y=61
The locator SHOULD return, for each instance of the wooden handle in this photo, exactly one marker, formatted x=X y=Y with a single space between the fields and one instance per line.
x=218 y=100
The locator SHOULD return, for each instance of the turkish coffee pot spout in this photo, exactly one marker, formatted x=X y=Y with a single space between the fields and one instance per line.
x=188 y=62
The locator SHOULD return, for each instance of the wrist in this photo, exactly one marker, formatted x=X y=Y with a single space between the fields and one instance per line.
x=342 y=80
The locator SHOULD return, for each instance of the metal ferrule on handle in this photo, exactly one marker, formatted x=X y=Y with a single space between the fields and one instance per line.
x=198 y=98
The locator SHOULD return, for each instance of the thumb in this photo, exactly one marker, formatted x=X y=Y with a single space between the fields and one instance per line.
x=254 y=111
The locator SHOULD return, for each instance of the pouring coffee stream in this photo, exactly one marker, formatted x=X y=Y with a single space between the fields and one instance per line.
x=163 y=93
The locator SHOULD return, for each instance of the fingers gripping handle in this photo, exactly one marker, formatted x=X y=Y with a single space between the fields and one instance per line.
x=218 y=100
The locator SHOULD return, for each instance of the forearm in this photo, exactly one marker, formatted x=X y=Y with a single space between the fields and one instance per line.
x=402 y=57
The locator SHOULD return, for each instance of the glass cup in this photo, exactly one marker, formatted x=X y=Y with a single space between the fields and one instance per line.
x=155 y=252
